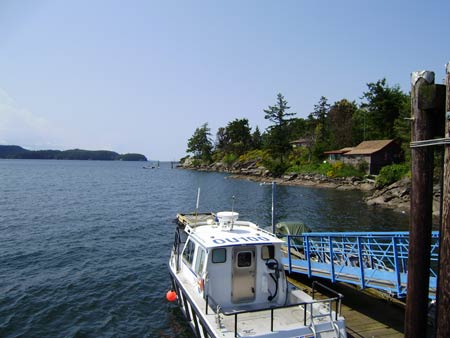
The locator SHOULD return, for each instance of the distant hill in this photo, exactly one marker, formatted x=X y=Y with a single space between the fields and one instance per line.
x=17 y=152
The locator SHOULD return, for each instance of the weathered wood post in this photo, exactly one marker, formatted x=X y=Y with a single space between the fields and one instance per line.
x=443 y=294
x=421 y=205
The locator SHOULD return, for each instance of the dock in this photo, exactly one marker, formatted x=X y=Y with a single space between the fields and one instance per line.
x=376 y=260
x=367 y=314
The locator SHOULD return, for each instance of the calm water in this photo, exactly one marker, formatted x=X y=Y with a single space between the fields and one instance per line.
x=84 y=245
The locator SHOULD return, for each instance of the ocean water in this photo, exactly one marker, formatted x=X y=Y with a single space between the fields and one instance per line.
x=84 y=245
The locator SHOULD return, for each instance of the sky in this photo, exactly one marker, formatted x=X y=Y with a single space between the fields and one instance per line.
x=139 y=76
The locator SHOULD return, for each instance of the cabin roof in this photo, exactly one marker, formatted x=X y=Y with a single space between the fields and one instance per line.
x=243 y=233
x=369 y=147
x=339 y=151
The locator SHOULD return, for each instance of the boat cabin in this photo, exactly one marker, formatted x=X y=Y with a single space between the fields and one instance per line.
x=235 y=261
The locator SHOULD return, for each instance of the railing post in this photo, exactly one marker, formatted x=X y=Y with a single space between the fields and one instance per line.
x=333 y=279
x=289 y=253
x=397 y=269
x=306 y=238
x=304 y=314
x=361 y=263
x=271 y=320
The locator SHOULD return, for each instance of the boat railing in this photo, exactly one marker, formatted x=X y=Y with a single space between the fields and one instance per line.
x=337 y=295
x=307 y=307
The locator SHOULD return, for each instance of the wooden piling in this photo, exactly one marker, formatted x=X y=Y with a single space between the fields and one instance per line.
x=443 y=296
x=421 y=206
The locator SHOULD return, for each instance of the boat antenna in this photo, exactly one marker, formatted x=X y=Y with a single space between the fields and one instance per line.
x=273 y=206
x=197 y=204
x=232 y=211
x=198 y=200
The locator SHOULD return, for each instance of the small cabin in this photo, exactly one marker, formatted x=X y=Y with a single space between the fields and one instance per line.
x=376 y=153
x=301 y=143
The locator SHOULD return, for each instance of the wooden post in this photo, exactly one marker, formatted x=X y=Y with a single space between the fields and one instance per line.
x=421 y=206
x=443 y=294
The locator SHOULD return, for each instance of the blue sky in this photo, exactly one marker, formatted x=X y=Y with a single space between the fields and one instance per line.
x=142 y=75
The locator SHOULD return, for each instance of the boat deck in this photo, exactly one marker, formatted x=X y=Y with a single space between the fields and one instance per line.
x=258 y=322
x=194 y=218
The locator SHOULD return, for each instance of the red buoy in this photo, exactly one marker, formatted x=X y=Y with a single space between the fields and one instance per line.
x=171 y=296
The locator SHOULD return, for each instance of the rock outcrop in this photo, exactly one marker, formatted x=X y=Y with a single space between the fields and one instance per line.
x=397 y=196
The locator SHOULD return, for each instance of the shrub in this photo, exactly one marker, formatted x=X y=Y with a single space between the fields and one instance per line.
x=229 y=159
x=390 y=174
x=276 y=167
x=196 y=163
x=254 y=155
x=349 y=171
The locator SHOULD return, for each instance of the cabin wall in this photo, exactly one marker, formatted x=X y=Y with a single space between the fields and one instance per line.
x=219 y=281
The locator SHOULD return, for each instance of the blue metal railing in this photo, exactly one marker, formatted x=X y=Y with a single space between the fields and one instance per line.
x=368 y=259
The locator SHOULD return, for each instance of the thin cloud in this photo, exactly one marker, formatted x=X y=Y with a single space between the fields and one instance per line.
x=22 y=127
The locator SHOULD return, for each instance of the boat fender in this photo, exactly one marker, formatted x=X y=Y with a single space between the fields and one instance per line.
x=171 y=296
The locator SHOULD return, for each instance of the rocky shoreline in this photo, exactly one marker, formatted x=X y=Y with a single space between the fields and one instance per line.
x=395 y=196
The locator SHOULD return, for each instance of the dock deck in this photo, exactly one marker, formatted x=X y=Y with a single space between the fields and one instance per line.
x=366 y=315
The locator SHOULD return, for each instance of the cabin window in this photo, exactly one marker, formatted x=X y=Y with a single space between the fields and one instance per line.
x=267 y=252
x=244 y=259
x=200 y=261
x=188 y=253
x=219 y=255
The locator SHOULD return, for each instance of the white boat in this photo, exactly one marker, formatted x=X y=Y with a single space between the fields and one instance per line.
x=229 y=282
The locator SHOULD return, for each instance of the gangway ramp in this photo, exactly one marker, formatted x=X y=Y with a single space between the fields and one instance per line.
x=376 y=260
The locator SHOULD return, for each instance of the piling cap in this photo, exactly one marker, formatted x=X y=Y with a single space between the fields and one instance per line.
x=422 y=74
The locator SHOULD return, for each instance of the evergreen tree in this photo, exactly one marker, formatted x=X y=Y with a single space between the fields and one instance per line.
x=319 y=119
x=200 y=144
x=257 y=139
x=402 y=129
x=341 y=124
x=278 y=134
x=239 y=136
x=222 y=140
x=381 y=108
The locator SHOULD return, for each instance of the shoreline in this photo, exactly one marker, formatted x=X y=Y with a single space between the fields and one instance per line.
x=289 y=180
x=395 y=196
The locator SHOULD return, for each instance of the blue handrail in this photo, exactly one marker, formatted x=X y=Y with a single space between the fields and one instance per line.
x=368 y=259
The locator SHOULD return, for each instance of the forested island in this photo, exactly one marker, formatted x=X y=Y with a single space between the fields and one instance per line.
x=17 y=152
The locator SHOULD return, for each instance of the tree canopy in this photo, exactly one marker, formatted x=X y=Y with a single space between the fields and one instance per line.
x=278 y=136
x=200 y=143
